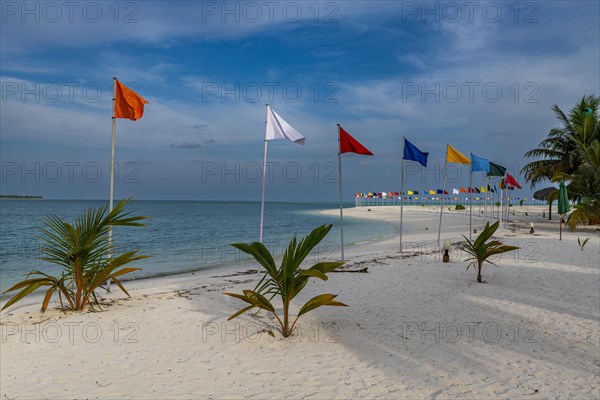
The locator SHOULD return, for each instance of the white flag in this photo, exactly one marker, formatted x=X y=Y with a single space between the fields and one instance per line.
x=455 y=191
x=277 y=128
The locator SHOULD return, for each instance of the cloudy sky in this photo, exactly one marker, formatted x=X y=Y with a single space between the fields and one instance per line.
x=481 y=76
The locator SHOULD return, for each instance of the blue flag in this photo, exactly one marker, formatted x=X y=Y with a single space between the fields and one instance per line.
x=412 y=153
x=479 y=164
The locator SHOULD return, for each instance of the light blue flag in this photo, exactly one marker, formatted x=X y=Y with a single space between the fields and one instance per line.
x=479 y=164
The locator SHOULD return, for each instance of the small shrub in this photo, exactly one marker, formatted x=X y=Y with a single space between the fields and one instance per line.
x=582 y=244
x=85 y=253
x=480 y=251
x=287 y=280
x=459 y=207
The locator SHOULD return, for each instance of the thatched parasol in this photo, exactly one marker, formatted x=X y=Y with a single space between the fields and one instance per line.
x=549 y=194
x=543 y=194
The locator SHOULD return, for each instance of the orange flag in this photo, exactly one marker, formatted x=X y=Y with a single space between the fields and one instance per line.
x=128 y=104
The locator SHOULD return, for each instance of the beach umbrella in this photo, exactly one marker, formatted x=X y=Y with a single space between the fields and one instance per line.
x=548 y=194
x=563 y=204
x=543 y=194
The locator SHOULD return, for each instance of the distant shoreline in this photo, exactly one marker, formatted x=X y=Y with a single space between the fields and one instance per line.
x=19 y=197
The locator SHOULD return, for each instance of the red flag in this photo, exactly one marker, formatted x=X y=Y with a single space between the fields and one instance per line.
x=128 y=104
x=350 y=145
x=510 y=181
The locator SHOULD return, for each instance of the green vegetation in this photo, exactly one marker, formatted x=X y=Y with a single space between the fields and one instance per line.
x=582 y=244
x=571 y=153
x=459 y=207
x=480 y=250
x=287 y=280
x=86 y=255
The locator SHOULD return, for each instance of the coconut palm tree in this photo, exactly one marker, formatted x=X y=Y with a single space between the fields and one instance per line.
x=558 y=152
x=572 y=154
x=586 y=179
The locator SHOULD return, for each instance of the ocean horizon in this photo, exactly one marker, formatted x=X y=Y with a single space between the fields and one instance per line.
x=180 y=235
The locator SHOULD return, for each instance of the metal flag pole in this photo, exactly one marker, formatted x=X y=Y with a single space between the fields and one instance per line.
x=112 y=154
x=112 y=168
x=264 y=180
x=340 y=178
x=471 y=190
x=402 y=192
x=491 y=194
x=442 y=201
x=507 y=213
x=485 y=199
x=501 y=216
x=497 y=190
x=487 y=196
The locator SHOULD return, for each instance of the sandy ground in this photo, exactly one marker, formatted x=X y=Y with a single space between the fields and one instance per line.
x=415 y=327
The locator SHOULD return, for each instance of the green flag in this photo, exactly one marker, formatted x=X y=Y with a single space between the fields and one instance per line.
x=496 y=170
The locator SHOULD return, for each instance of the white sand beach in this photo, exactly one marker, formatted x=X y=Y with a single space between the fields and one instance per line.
x=415 y=327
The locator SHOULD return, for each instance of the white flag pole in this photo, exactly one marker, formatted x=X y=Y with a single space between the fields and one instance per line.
x=507 y=213
x=112 y=153
x=471 y=190
x=264 y=180
x=485 y=200
x=501 y=215
x=262 y=203
x=443 y=190
x=112 y=168
x=493 y=198
x=402 y=193
x=340 y=178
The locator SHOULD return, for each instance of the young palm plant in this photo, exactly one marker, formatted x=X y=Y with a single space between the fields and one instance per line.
x=480 y=250
x=86 y=255
x=287 y=280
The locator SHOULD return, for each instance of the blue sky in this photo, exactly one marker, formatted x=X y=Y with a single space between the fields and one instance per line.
x=481 y=76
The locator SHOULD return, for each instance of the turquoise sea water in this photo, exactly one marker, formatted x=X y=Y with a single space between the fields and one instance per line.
x=180 y=235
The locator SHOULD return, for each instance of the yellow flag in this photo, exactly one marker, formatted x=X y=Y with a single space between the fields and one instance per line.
x=482 y=189
x=453 y=156
x=432 y=191
x=410 y=192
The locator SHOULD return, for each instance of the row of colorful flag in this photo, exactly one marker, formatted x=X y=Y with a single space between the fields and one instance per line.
x=130 y=105
x=412 y=153
x=429 y=197
x=481 y=189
